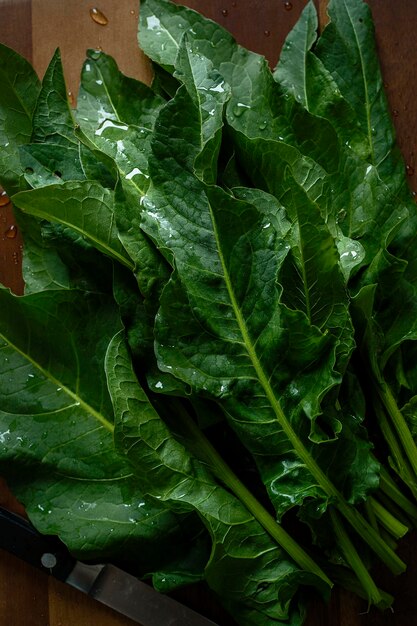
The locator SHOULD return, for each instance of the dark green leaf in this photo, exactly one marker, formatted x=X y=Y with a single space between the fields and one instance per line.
x=53 y=119
x=56 y=442
x=86 y=207
x=18 y=94
x=107 y=94
x=347 y=50
x=291 y=71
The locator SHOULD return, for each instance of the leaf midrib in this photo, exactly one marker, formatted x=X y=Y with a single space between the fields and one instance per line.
x=365 y=86
x=96 y=242
x=59 y=384
x=264 y=379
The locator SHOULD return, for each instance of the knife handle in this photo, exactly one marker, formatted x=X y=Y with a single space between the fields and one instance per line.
x=47 y=553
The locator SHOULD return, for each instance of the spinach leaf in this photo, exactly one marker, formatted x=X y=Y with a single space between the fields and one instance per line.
x=88 y=208
x=57 y=433
x=17 y=103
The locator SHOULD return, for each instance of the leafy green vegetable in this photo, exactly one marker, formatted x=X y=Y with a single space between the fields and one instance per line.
x=18 y=101
x=210 y=335
x=57 y=426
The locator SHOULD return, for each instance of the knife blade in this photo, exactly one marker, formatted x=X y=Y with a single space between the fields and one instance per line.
x=105 y=582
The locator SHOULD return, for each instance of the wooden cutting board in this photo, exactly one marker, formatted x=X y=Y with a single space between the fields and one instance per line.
x=35 y=28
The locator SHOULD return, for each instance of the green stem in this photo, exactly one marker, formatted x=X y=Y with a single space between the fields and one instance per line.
x=402 y=466
x=393 y=509
x=352 y=515
x=223 y=472
x=371 y=537
x=371 y=515
x=387 y=520
x=391 y=490
x=388 y=538
x=399 y=423
x=352 y=557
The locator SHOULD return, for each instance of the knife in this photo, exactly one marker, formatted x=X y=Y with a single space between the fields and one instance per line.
x=106 y=583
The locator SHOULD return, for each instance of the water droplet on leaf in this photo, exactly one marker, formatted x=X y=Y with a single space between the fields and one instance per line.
x=110 y=124
x=263 y=125
x=239 y=108
x=98 y=17
x=341 y=216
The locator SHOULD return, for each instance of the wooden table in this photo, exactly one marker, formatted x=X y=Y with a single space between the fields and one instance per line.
x=35 y=28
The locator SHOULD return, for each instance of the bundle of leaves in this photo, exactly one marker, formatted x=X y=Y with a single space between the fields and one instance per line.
x=211 y=373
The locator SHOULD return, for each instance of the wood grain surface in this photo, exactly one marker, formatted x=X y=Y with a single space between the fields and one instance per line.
x=35 y=28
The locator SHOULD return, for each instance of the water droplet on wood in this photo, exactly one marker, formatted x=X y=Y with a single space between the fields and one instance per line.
x=288 y=6
x=267 y=33
x=98 y=17
x=132 y=12
x=4 y=198
x=225 y=12
x=410 y=170
x=71 y=98
x=395 y=112
x=11 y=232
